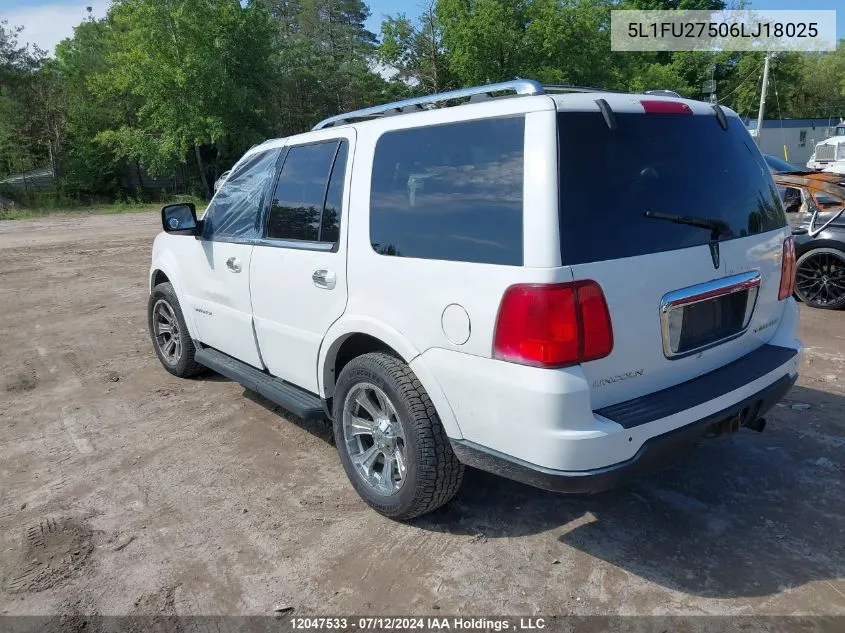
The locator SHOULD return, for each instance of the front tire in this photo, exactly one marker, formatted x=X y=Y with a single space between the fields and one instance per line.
x=171 y=339
x=390 y=439
x=820 y=278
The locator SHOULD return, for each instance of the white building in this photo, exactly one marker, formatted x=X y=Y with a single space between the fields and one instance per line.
x=793 y=139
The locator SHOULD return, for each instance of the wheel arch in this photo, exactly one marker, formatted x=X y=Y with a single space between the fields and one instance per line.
x=820 y=242
x=165 y=268
x=157 y=277
x=353 y=336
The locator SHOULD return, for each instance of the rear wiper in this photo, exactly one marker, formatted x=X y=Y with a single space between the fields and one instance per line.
x=717 y=227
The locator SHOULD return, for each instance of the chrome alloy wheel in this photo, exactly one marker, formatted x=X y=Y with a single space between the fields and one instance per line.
x=166 y=330
x=374 y=438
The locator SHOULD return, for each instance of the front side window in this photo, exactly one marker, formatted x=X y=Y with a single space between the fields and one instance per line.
x=450 y=192
x=307 y=201
x=233 y=215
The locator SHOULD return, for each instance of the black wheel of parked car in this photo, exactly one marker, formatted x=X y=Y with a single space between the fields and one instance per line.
x=171 y=340
x=391 y=442
x=820 y=278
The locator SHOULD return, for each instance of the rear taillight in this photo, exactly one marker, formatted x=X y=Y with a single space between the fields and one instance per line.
x=787 y=269
x=553 y=325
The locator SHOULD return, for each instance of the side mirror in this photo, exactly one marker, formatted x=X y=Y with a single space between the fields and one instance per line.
x=180 y=219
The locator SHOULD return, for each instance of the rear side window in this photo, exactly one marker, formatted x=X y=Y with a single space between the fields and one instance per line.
x=664 y=163
x=450 y=192
x=792 y=199
x=233 y=215
x=307 y=201
x=330 y=223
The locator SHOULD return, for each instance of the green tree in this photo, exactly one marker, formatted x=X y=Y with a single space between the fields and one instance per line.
x=485 y=38
x=21 y=146
x=324 y=62
x=199 y=71
x=416 y=50
x=178 y=83
x=741 y=90
x=89 y=167
x=820 y=91
x=569 y=44
x=338 y=26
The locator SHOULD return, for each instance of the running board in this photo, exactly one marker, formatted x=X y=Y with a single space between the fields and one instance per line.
x=298 y=401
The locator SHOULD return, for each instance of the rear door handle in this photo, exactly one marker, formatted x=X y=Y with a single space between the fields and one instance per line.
x=234 y=264
x=323 y=278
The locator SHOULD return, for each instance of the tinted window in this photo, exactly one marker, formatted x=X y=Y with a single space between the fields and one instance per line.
x=664 y=163
x=450 y=192
x=233 y=214
x=297 y=212
x=330 y=224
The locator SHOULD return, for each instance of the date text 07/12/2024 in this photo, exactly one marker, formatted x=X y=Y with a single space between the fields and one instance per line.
x=416 y=623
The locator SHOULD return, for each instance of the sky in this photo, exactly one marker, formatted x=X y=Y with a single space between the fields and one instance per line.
x=47 y=22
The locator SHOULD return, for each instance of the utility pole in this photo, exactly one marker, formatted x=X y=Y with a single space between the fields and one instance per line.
x=763 y=97
x=709 y=86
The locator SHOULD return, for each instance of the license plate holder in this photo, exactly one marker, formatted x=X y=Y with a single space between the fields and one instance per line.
x=704 y=315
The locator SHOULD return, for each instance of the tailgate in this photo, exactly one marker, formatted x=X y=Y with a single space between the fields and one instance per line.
x=679 y=222
x=646 y=354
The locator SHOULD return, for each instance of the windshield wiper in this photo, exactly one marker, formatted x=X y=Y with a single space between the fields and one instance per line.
x=717 y=227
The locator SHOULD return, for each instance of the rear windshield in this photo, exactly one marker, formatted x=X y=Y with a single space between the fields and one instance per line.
x=663 y=163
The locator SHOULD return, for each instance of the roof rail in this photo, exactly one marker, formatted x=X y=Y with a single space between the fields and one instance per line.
x=517 y=86
x=565 y=88
x=660 y=92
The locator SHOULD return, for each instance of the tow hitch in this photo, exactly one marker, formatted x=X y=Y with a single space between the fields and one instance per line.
x=747 y=417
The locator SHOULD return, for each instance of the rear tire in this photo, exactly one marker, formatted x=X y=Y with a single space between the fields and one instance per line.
x=820 y=278
x=171 y=339
x=393 y=447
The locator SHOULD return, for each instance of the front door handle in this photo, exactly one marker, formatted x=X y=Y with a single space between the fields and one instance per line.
x=234 y=264
x=323 y=278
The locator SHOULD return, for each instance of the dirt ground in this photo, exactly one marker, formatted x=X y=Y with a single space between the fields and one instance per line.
x=124 y=490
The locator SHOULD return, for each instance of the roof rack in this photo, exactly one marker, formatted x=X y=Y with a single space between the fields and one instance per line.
x=478 y=93
x=520 y=87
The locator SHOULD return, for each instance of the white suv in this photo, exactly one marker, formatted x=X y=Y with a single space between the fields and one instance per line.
x=558 y=285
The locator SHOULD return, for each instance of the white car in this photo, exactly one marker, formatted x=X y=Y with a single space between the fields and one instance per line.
x=538 y=283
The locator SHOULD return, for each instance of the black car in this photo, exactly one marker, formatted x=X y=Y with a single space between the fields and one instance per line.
x=780 y=166
x=820 y=269
x=815 y=205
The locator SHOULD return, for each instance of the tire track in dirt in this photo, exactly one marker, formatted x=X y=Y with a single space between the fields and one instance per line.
x=73 y=425
x=53 y=550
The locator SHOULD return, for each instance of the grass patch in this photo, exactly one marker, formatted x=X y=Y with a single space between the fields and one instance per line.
x=95 y=209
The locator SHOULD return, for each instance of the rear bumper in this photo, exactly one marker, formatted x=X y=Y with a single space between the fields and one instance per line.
x=545 y=417
x=656 y=452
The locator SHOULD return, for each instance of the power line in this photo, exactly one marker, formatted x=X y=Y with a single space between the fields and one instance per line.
x=739 y=85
